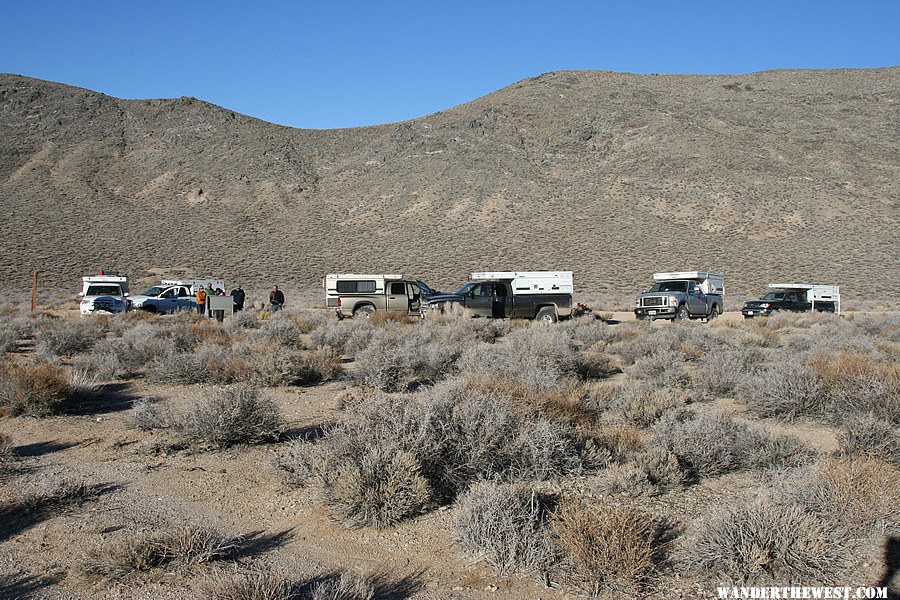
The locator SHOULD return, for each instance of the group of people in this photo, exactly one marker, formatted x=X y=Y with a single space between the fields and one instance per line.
x=202 y=295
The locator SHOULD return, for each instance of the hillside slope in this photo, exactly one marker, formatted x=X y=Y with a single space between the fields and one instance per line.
x=783 y=175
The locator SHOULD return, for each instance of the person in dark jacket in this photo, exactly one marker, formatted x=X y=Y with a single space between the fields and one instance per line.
x=237 y=295
x=276 y=299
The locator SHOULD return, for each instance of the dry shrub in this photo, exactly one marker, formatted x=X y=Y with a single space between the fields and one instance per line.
x=622 y=441
x=867 y=435
x=535 y=356
x=241 y=320
x=456 y=436
x=7 y=457
x=858 y=494
x=595 y=365
x=788 y=390
x=763 y=543
x=232 y=415
x=149 y=415
x=855 y=383
x=280 y=366
x=34 y=390
x=280 y=330
x=505 y=525
x=643 y=404
x=380 y=489
x=8 y=337
x=661 y=369
x=248 y=584
x=628 y=479
x=569 y=402
x=707 y=446
x=67 y=337
x=348 y=336
x=396 y=358
x=605 y=548
x=184 y=546
x=720 y=372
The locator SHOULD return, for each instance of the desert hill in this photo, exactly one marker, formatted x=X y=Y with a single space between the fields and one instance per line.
x=780 y=175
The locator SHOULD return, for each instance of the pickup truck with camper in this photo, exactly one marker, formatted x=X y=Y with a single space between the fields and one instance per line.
x=682 y=295
x=172 y=295
x=540 y=295
x=104 y=294
x=795 y=297
x=361 y=295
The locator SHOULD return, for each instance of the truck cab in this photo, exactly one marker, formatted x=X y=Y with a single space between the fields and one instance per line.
x=361 y=295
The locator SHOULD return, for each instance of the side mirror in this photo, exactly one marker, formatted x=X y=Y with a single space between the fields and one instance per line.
x=81 y=294
x=126 y=294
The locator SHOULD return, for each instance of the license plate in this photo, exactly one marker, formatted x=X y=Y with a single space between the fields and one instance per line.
x=651 y=312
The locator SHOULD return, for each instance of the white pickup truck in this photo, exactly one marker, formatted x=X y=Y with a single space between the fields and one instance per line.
x=104 y=294
x=172 y=295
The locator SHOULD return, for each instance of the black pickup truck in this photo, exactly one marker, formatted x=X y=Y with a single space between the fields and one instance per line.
x=791 y=300
x=499 y=299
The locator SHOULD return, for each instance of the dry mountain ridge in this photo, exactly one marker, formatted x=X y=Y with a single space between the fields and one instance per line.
x=766 y=176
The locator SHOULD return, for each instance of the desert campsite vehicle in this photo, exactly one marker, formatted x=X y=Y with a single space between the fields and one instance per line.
x=355 y=295
x=795 y=297
x=172 y=295
x=540 y=295
x=682 y=295
x=104 y=293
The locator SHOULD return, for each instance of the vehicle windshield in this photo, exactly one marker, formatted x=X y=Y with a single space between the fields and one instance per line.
x=426 y=289
x=670 y=286
x=154 y=291
x=103 y=290
x=773 y=296
x=465 y=289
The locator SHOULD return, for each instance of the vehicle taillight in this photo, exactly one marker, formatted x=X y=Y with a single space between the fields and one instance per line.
x=339 y=300
x=637 y=303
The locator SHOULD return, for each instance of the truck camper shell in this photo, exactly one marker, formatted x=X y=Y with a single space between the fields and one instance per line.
x=531 y=282
x=710 y=283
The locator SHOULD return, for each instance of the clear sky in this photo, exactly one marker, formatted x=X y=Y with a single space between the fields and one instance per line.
x=337 y=63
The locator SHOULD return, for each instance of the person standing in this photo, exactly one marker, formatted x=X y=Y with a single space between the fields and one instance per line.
x=276 y=299
x=210 y=292
x=237 y=295
x=200 y=296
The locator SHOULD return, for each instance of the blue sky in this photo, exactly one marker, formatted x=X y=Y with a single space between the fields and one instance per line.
x=340 y=64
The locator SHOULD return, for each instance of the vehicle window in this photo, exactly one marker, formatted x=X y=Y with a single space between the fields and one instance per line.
x=501 y=290
x=154 y=291
x=774 y=296
x=170 y=293
x=414 y=290
x=692 y=287
x=669 y=286
x=103 y=290
x=398 y=288
x=355 y=287
x=484 y=290
x=466 y=289
x=182 y=292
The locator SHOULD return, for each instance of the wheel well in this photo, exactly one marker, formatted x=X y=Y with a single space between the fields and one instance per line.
x=359 y=305
x=538 y=308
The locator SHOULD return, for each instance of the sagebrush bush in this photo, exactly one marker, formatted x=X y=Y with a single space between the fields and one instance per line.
x=280 y=366
x=455 y=434
x=595 y=365
x=380 y=488
x=604 y=548
x=241 y=320
x=788 y=389
x=280 y=330
x=348 y=336
x=7 y=457
x=35 y=390
x=720 y=372
x=642 y=403
x=238 y=414
x=534 y=356
x=8 y=337
x=859 y=384
x=149 y=414
x=662 y=369
x=256 y=583
x=506 y=525
x=67 y=337
x=344 y=586
x=707 y=446
x=144 y=552
x=759 y=542
x=867 y=435
x=395 y=358
x=857 y=495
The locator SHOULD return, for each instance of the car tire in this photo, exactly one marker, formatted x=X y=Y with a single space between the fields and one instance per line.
x=364 y=312
x=682 y=313
x=713 y=313
x=547 y=315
